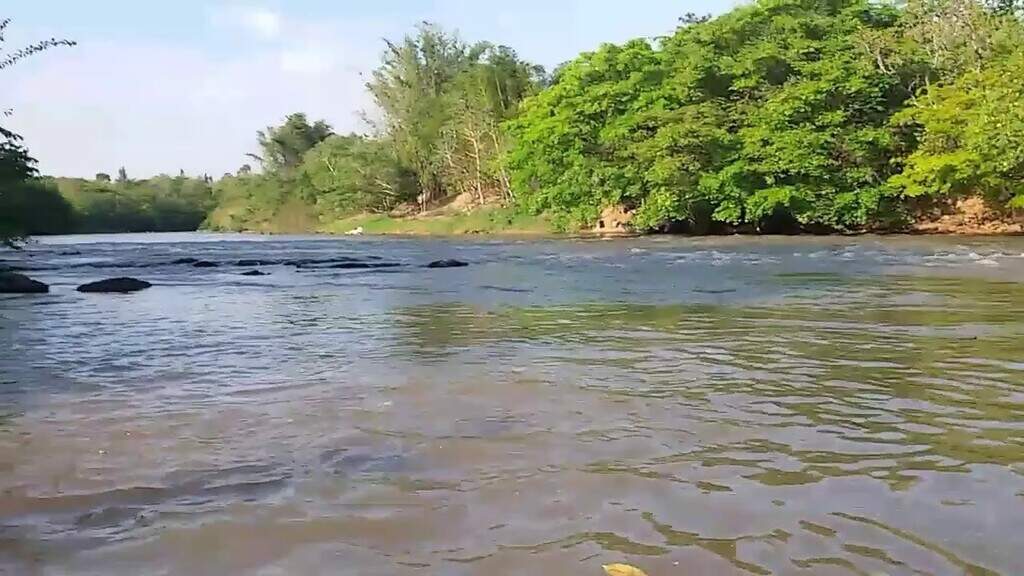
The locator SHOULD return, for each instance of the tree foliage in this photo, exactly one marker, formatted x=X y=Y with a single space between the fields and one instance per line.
x=782 y=110
x=283 y=147
x=443 y=102
x=971 y=136
x=779 y=115
x=350 y=174
x=441 y=105
x=26 y=205
x=159 y=204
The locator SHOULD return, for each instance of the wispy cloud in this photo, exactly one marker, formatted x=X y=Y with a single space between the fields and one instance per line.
x=261 y=22
x=307 y=60
x=169 y=107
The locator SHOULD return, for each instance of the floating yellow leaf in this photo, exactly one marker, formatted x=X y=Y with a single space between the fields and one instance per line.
x=622 y=570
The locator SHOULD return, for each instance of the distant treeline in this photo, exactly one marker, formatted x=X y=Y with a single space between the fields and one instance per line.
x=159 y=204
x=46 y=205
x=825 y=115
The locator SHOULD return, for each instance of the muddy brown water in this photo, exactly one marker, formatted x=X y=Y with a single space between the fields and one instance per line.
x=689 y=406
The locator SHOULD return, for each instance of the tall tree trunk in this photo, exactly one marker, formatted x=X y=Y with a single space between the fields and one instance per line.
x=475 y=141
x=502 y=173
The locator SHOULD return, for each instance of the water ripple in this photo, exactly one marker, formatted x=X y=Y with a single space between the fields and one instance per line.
x=720 y=406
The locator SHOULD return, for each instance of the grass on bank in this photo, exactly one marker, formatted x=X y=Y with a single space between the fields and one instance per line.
x=495 y=220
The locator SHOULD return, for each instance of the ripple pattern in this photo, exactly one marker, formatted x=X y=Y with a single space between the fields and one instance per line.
x=712 y=406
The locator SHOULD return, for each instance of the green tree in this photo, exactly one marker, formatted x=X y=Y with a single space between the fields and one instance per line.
x=971 y=137
x=568 y=156
x=443 y=102
x=410 y=88
x=21 y=195
x=772 y=110
x=282 y=147
x=780 y=115
x=351 y=174
x=160 y=203
x=480 y=98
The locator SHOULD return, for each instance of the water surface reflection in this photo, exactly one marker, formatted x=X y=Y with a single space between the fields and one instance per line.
x=721 y=419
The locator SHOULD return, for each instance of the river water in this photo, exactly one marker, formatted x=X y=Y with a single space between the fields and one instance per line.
x=690 y=406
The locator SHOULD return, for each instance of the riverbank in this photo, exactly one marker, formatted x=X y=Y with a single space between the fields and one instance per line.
x=503 y=221
x=442 y=222
x=967 y=220
x=492 y=220
x=970 y=216
x=967 y=216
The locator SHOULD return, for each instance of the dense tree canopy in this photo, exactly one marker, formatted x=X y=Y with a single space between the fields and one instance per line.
x=28 y=205
x=347 y=174
x=780 y=115
x=969 y=129
x=159 y=204
x=283 y=147
x=443 y=102
x=779 y=109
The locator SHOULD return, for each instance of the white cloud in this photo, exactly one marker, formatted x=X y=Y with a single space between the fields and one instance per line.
x=307 y=61
x=262 y=22
x=165 y=108
x=258 y=21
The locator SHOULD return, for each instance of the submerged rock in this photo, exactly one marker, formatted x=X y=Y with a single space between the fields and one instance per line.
x=449 y=263
x=362 y=265
x=254 y=273
x=205 y=264
x=14 y=283
x=320 y=262
x=185 y=261
x=115 y=285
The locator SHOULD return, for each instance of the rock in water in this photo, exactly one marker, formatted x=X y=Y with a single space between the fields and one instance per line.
x=360 y=266
x=205 y=264
x=254 y=273
x=115 y=285
x=14 y=283
x=447 y=264
x=185 y=261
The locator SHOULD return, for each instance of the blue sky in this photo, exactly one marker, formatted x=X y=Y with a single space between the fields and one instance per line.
x=163 y=86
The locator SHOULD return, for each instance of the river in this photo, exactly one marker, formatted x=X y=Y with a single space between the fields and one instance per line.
x=711 y=406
